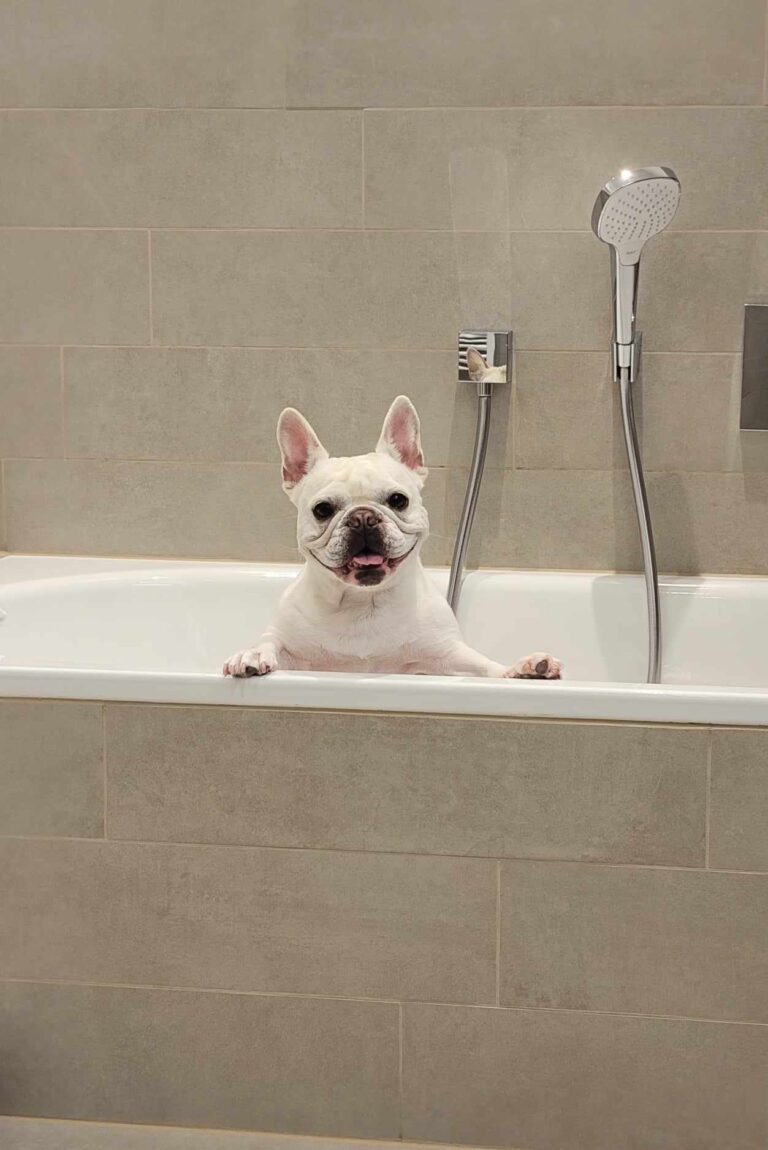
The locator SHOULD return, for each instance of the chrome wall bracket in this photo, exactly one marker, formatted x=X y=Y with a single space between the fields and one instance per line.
x=495 y=348
x=627 y=355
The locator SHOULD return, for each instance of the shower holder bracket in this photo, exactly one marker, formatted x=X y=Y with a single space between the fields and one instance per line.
x=635 y=349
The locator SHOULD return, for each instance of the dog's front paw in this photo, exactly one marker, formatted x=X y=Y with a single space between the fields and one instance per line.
x=539 y=665
x=254 y=661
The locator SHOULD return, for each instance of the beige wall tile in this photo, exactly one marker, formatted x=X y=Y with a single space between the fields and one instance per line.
x=51 y=769
x=554 y=519
x=639 y=941
x=154 y=53
x=380 y=289
x=163 y=509
x=567 y=412
x=30 y=401
x=542 y=790
x=326 y=288
x=739 y=800
x=568 y=1081
x=694 y=289
x=58 y=1134
x=218 y=511
x=74 y=287
x=465 y=52
x=223 y=403
x=306 y=922
x=215 y=1060
x=541 y=168
x=585 y=520
x=710 y=522
x=181 y=168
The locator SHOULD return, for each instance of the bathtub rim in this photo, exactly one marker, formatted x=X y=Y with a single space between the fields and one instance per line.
x=460 y=696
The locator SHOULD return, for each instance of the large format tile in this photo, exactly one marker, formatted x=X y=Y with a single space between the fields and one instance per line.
x=567 y=412
x=181 y=510
x=547 y=790
x=642 y=941
x=705 y=522
x=181 y=168
x=203 y=403
x=181 y=1058
x=74 y=287
x=164 y=509
x=51 y=769
x=303 y=922
x=326 y=289
x=505 y=52
x=561 y=519
x=30 y=401
x=738 y=839
x=58 y=1134
x=399 y=289
x=541 y=169
x=154 y=53
x=566 y=1081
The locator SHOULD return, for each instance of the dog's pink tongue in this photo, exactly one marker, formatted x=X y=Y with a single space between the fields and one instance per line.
x=367 y=560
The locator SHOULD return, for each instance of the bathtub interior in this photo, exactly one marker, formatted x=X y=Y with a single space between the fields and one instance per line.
x=185 y=618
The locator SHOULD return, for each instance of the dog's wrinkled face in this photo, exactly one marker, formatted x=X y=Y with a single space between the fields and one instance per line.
x=360 y=517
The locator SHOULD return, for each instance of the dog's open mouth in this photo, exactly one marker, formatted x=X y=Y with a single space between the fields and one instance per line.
x=369 y=568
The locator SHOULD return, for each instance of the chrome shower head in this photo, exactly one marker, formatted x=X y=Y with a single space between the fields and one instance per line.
x=633 y=207
x=630 y=209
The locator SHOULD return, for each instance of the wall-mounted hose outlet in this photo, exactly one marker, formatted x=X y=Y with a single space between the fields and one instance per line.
x=484 y=358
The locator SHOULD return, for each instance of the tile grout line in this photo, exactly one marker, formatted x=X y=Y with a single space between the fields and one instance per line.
x=3 y=509
x=498 y=932
x=400 y=1070
x=149 y=278
x=377 y=852
x=362 y=168
x=358 y=349
x=272 y=229
x=396 y=109
x=61 y=399
x=104 y=767
x=388 y=1002
x=708 y=801
x=765 y=56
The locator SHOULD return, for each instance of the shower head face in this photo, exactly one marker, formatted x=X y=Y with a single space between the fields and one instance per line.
x=634 y=207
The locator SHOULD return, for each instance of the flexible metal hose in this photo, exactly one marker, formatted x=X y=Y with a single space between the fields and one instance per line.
x=473 y=491
x=644 y=524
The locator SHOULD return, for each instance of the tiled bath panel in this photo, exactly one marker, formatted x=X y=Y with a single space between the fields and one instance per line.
x=534 y=935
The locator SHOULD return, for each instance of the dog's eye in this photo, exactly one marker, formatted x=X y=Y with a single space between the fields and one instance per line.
x=397 y=501
x=322 y=510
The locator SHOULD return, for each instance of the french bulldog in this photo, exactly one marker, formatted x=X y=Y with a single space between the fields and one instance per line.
x=363 y=601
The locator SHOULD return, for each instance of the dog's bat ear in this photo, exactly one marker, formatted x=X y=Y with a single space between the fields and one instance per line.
x=299 y=447
x=476 y=365
x=400 y=436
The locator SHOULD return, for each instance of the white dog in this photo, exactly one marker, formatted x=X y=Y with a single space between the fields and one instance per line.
x=363 y=601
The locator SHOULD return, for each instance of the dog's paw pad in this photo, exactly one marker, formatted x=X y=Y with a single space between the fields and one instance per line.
x=251 y=663
x=539 y=665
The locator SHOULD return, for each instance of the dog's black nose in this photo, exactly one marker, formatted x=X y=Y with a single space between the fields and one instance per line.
x=363 y=518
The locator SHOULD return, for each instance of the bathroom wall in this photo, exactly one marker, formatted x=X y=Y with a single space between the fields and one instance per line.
x=540 y=935
x=211 y=209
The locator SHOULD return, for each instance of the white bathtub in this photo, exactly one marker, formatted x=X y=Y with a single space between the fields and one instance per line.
x=149 y=631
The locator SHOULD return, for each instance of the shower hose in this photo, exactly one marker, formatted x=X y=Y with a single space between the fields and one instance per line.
x=641 y=507
x=484 y=395
x=644 y=525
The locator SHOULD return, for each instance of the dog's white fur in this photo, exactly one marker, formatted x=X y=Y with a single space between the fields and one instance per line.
x=354 y=611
